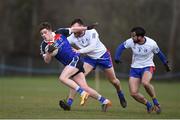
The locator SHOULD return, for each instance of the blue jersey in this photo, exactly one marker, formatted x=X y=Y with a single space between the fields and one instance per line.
x=65 y=53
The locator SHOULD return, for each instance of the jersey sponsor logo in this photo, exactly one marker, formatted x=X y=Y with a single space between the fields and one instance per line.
x=141 y=50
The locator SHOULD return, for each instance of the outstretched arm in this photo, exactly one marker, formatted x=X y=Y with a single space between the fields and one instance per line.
x=162 y=57
x=67 y=31
x=82 y=28
x=164 y=60
x=118 y=53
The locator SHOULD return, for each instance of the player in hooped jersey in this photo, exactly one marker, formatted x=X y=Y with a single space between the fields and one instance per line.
x=142 y=66
x=56 y=45
x=95 y=55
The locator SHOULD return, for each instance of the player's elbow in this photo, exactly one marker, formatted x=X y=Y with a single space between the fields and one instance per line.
x=47 y=61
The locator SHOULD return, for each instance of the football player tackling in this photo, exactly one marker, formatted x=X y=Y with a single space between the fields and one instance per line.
x=56 y=45
x=142 y=67
x=95 y=55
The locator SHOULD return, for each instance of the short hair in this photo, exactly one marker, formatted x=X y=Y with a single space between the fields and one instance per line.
x=139 y=31
x=46 y=25
x=77 y=20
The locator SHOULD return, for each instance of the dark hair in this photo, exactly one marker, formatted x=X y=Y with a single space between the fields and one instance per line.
x=77 y=20
x=46 y=25
x=139 y=31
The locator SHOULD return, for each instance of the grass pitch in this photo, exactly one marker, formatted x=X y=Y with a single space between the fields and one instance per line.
x=38 y=97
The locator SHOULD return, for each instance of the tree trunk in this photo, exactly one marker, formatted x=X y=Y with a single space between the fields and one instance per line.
x=173 y=32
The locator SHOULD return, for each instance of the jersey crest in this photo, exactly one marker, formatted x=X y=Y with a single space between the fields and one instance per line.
x=84 y=42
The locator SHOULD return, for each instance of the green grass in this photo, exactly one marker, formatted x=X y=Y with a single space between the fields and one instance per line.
x=37 y=97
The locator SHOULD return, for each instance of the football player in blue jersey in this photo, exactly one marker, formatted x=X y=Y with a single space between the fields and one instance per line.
x=56 y=45
x=95 y=55
x=142 y=67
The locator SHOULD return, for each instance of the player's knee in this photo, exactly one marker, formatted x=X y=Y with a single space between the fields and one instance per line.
x=133 y=94
x=115 y=81
x=86 y=73
x=61 y=78
x=85 y=87
x=145 y=83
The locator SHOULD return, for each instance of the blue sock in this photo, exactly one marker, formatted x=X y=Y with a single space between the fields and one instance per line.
x=102 y=99
x=79 y=90
x=148 y=104
x=120 y=94
x=155 y=101
x=70 y=101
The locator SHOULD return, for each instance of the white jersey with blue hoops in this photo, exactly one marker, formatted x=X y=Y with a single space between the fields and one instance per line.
x=142 y=53
x=89 y=43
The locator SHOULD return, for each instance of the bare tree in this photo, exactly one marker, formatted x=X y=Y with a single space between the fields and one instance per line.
x=173 y=31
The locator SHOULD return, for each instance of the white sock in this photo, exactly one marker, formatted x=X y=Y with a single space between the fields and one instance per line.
x=106 y=101
x=99 y=97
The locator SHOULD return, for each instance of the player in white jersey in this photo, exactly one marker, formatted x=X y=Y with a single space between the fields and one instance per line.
x=96 y=54
x=142 y=66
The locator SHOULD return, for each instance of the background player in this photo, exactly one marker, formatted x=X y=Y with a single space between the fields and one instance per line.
x=56 y=45
x=142 y=67
x=96 y=55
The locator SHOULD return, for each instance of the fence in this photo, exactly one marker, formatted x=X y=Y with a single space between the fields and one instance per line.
x=35 y=66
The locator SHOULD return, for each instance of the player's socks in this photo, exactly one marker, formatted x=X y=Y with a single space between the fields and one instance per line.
x=149 y=107
x=84 y=95
x=157 y=107
x=101 y=99
x=120 y=94
x=105 y=103
x=155 y=101
x=148 y=104
x=70 y=101
x=80 y=90
x=122 y=99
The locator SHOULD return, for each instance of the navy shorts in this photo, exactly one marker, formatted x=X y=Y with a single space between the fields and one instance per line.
x=138 y=72
x=78 y=63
